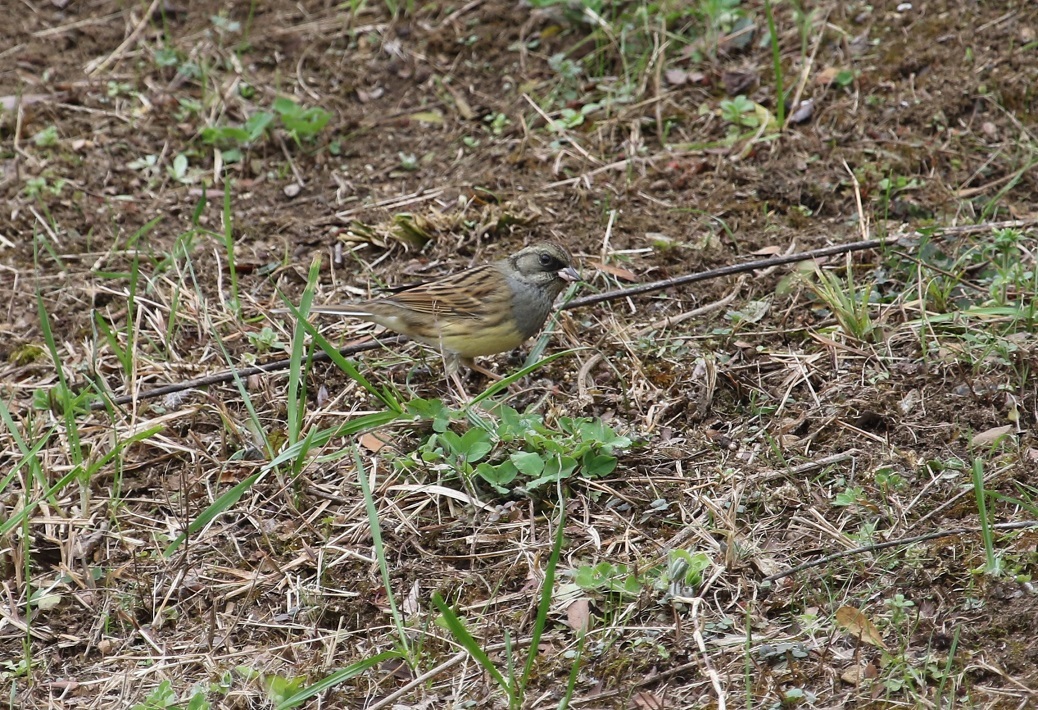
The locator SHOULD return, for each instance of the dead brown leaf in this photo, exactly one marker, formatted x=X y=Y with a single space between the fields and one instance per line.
x=372 y=443
x=854 y=622
x=648 y=701
x=676 y=77
x=991 y=436
x=826 y=76
x=617 y=271
x=578 y=614
x=856 y=674
x=852 y=676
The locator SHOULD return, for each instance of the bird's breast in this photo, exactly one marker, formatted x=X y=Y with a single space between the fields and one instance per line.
x=530 y=308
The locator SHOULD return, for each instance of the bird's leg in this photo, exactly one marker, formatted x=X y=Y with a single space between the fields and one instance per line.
x=471 y=364
x=490 y=375
x=461 y=395
x=450 y=365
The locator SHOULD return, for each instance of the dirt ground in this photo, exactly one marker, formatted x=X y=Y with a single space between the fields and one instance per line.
x=766 y=433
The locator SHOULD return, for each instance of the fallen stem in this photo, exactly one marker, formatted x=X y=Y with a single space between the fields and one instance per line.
x=900 y=541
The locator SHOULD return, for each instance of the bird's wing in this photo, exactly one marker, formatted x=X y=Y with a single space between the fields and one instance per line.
x=464 y=295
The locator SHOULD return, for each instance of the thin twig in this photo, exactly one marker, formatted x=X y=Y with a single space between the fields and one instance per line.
x=432 y=673
x=900 y=541
x=92 y=69
x=728 y=271
x=809 y=466
x=784 y=259
x=697 y=634
x=228 y=375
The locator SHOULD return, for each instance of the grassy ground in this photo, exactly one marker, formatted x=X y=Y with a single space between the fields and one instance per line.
x=618 y=527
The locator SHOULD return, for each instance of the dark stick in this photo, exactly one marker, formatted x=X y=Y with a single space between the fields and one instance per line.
x=1017 y=525
x=228 y=375
x=727 y=271
x=279 y=365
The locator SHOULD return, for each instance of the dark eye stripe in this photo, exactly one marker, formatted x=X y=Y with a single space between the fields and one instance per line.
x=549 y=262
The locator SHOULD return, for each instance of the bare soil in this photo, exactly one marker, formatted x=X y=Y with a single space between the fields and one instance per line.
x=432 y=114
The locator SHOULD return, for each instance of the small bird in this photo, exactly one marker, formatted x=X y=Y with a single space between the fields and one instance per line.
x=484 y=310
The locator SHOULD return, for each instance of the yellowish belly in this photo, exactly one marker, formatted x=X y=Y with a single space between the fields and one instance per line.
x=469 y=339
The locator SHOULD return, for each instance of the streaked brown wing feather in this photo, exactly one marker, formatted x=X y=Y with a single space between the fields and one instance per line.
x=463 y=295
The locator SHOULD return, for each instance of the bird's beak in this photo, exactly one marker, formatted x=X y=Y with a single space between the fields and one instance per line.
x=570 y=274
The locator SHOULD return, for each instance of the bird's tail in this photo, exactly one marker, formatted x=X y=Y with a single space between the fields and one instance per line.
x=347 y=309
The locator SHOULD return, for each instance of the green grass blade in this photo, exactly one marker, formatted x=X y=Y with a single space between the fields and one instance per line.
x=514 y=682
x=992 y=564
x=387 y=398
x=256 y=424
x=76 y=472
x=296 y=380
x=939 y=695
x=515 y=376
x=1030 y=508
x=547 y=589
x=380 y=551
x=322 y=437
x=127 y=360
x=228 y=240
x=461 y=634
x=339 y=676
x=218 y=506
x=290 y=453
x=29 y=454
x=123 y=355
x=574 y=671
x=776 y=63
x=68 y=410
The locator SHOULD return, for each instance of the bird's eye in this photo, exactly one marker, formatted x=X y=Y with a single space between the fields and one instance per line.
x=547 y=260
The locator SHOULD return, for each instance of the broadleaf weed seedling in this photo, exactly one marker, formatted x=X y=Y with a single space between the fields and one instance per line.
x=230 y=136
x=301 y=123
x=46 y=138
x=504 y=445
x=744 y=116
x=617 y=584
